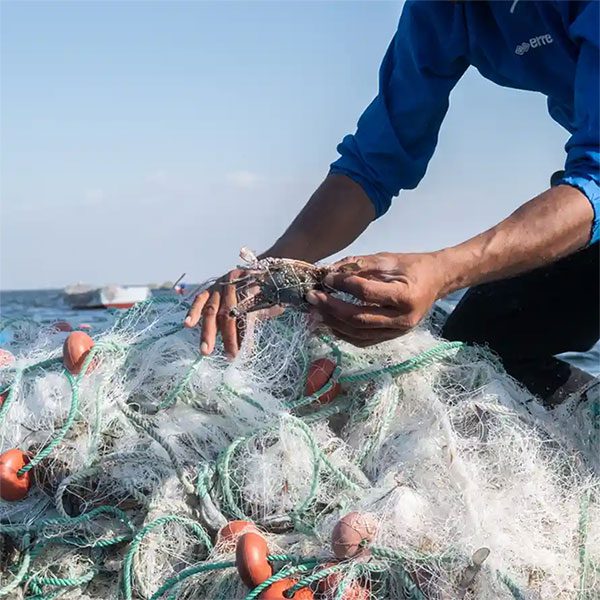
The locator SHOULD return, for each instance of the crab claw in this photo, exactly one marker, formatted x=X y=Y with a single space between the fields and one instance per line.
x=250 y=304
x=248 y=255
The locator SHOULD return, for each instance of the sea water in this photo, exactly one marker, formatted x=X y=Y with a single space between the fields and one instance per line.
x=48 y=306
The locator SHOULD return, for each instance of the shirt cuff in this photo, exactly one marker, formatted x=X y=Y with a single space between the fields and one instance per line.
x=592 y=191
x=380 y=200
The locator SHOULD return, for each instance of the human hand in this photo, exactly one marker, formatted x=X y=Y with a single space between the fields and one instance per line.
x=397 y=289
x=214 y=307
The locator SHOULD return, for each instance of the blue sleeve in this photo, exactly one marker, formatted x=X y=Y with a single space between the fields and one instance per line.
x=582 y=168
x=397 y=134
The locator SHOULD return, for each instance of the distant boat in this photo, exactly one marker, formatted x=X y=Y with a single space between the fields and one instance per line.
x=110 y=296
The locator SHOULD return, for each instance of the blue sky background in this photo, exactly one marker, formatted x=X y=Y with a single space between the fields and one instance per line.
x=144 y=139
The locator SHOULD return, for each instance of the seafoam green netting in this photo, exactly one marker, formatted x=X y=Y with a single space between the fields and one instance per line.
x=138 y=461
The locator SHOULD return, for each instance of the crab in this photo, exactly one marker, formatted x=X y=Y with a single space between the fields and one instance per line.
x=280 y=281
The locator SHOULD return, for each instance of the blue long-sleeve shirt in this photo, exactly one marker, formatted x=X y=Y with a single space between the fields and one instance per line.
x=548 y=46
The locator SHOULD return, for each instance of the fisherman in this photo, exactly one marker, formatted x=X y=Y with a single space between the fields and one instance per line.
x=533 y=277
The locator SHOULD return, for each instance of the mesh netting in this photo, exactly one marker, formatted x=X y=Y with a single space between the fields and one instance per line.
x=464 y=485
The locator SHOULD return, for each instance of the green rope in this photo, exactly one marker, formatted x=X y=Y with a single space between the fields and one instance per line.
x=333 y=408
x=410 y=589
x=335 y=471
x=443 y=350
x=137 y=540
x=190 y=572
x=317 y=576
x=71 y=521
x=65 y=581
x=176 y=391
x=332 y=381
x=148 y=427
x=244 y=397
x=21 y=573
x=340 y=591
x=44 y=364
x=225 y=478
x=282 y=574
x=12 y=391
x=512 y=587
x=42 y=454
x=223 y=463
x=412 y=556
x=205 y=567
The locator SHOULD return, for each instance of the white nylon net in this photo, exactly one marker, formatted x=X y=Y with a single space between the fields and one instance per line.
x=141 y=459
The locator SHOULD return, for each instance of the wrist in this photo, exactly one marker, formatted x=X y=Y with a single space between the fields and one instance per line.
x=295 y=246
x=452 y=270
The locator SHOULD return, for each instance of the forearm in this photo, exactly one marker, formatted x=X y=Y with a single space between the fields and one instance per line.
x=552 y=225
x=336 y=214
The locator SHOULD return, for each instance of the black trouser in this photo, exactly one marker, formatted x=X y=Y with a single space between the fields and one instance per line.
x=528 y=319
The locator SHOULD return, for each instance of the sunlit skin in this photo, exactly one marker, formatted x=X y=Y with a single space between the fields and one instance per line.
x=399 y=289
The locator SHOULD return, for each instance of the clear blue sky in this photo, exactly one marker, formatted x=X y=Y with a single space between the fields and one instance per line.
x=144 y=139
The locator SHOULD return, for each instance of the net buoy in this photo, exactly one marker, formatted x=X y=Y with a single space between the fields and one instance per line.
x=351 y=533
x=276 y=591
x=319 y=374
x=14 y=487
x=6 y=358
x=62 y=326
x=85 y=326
x=75 y=351
x=233 y=530
x=251 y=559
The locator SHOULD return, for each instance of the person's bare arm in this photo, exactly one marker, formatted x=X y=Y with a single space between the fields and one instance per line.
x=336 y=214
x=552 y=225
x=400 y=288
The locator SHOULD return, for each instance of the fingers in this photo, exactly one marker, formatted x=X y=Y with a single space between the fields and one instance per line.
x=214 y=306
x=370 y=262
x=357 y=334
x=227 y=324
x=358 y=316
x=209 y=323
x=195 y=312
x=367 y=290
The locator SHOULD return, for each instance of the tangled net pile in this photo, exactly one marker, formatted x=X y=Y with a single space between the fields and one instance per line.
x=433 y=473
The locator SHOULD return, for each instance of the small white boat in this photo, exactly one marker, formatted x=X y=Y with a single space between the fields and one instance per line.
x=110 y=296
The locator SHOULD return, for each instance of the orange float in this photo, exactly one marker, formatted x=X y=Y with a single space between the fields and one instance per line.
x=351 y=533
x=13 y=486
x=277 y=591
x=75 y=350
x=3 y=396
x=319 y=373
x=251 y=559
x=6 y=358
x=232 y=531
x=62 y=326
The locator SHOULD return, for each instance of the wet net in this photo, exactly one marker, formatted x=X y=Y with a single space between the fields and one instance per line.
x=306 y=468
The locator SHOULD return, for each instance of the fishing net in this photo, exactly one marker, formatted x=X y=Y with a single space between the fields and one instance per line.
x=418 y=469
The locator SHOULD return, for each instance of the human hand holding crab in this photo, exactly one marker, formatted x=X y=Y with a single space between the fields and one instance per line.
x=394 y=292
x=268 y=285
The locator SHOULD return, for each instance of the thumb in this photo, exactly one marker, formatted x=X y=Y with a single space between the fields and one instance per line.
x=369 y=262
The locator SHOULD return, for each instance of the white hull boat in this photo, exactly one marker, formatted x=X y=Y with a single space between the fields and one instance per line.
x=110 y=296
